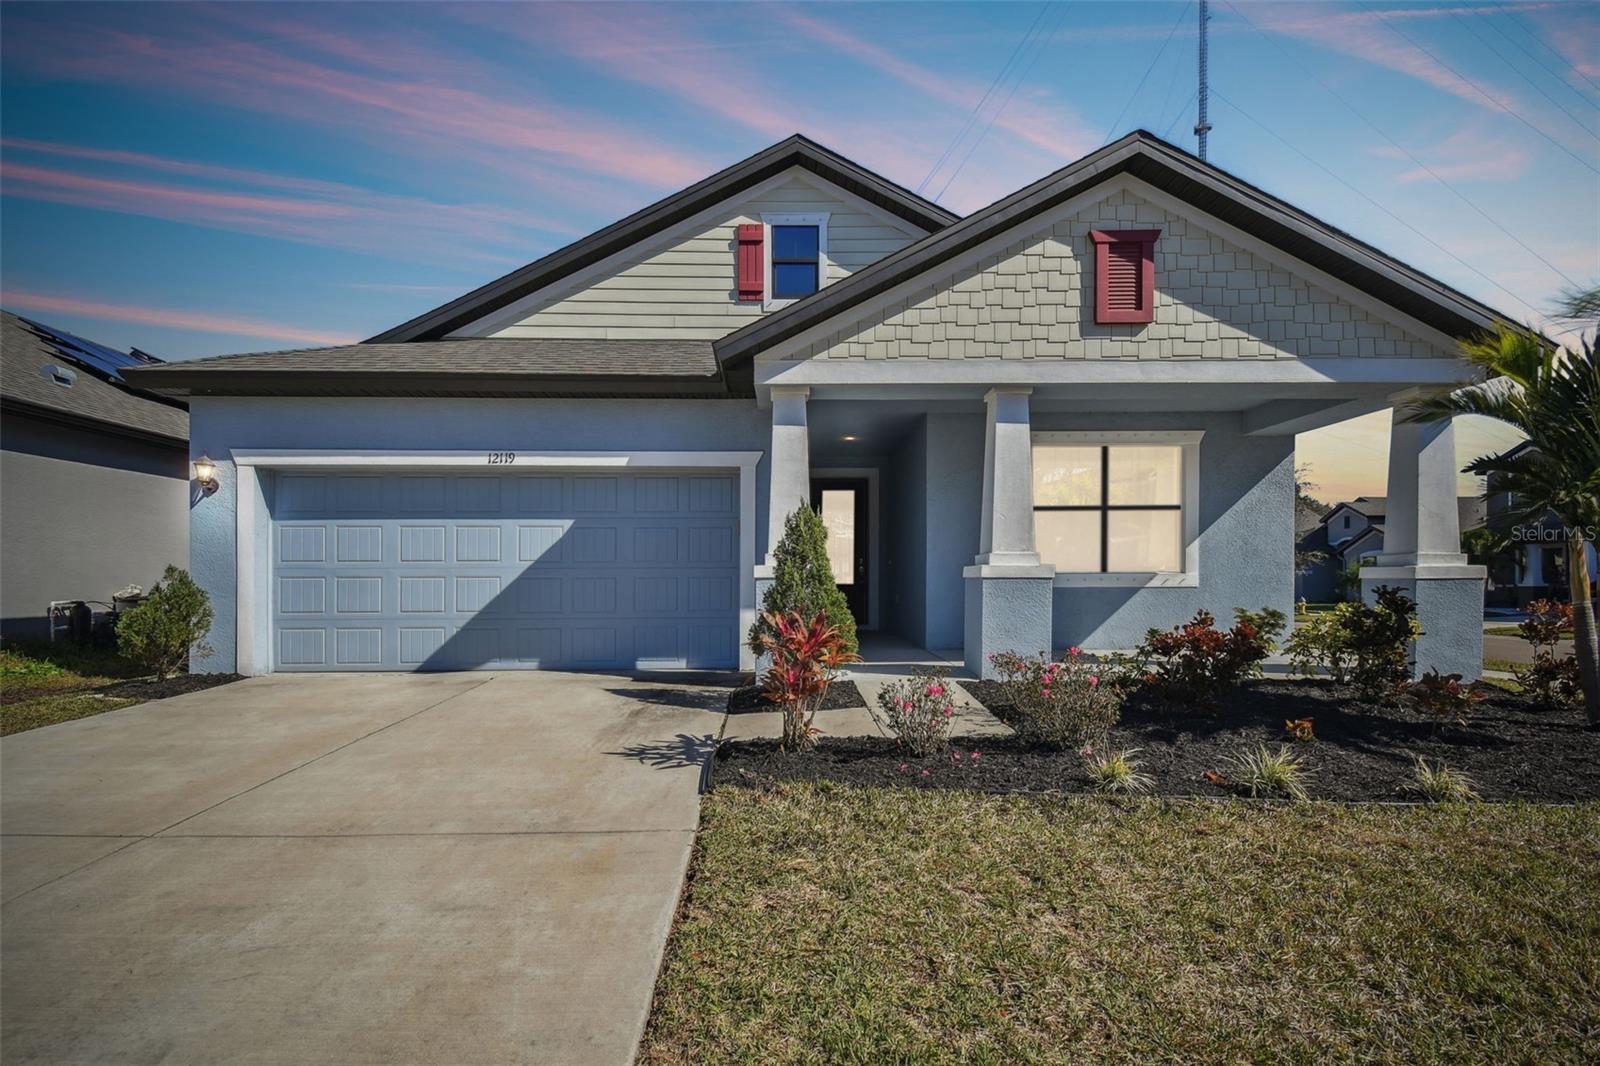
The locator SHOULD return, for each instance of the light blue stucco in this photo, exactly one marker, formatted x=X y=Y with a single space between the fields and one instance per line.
x=1008 y=614
x=1450 y=613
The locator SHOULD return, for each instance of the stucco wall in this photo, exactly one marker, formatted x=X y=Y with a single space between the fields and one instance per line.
x=1035 y=299
x=82 y=515
x=684 y=285
x=906 y=491
x=221 y=424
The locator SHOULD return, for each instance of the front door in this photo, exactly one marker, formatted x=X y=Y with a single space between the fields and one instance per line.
x=842 y=503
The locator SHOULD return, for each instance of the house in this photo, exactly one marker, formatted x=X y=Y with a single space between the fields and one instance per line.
x=1351 y=533
x=94 y=475
x=1058 y=421
x=1535 y=553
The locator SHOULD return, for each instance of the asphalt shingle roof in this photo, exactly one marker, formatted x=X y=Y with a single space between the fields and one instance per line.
x=24 y=354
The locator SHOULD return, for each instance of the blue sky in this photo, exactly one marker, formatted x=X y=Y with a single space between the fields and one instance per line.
x=200 y=179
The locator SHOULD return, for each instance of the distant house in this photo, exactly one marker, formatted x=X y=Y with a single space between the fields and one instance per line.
x=94 y=475
x=1536 y=555
x=1352 y=531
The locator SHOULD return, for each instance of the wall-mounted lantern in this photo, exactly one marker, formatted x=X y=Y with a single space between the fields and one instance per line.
x=205 y=473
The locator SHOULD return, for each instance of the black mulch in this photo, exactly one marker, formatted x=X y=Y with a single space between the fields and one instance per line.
x=749 y=700
x=1510 y=748
x=176 y=685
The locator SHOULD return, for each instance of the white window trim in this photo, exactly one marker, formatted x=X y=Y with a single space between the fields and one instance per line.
x=253 y=573
x=1189 y=440
x=768 y=220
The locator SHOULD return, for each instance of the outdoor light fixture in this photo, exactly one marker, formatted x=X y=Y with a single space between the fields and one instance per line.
x=205 y=473
x=848 y=439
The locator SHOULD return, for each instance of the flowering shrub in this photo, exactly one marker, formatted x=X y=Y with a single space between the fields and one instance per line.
x=1443 y=696
x=805 y=656
x=1195 y=661
x=1551 y=679
x=1065 y=703
x=918 y=710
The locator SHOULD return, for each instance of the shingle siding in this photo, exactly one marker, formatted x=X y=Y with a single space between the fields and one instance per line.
x=688 y=290
x=1035 y=300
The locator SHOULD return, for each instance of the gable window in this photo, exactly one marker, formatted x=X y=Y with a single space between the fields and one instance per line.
x=1116 y=504
x=797 y=257
x=1124 y=275
x=1347 y=521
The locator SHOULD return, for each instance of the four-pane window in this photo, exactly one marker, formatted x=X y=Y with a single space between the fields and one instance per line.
x=1109 y=508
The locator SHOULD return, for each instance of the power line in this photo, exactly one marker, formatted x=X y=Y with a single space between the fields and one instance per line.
x=1166 y=133
x=1302 y=154
x=1523 y=74
x=1044 y=43
x=1331 y=91
x=1116 y=123
x=978 y=108
x=1516 y=16
x=1541 y=64
x=1478 y=88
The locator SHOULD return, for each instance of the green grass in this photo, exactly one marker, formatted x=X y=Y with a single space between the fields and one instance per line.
x=826 y=924
x=1513 y=631
x=1503 y=664
x=41 y=684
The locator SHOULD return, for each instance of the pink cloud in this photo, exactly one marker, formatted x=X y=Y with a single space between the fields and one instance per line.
x=196 y=321
x=1468 y=154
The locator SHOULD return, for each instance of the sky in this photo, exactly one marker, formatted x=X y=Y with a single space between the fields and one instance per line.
x=199 y=179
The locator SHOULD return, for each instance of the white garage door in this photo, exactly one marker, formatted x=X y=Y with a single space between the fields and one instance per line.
x=421 y=571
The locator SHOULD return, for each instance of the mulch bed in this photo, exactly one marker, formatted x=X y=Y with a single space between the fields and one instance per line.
x=176 y=685
x=1510 y=748
x=748 y=699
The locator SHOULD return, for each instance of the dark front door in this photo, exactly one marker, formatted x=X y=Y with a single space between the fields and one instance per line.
x=842 y=503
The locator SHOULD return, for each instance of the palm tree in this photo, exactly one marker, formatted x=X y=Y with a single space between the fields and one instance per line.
x=1553 y=396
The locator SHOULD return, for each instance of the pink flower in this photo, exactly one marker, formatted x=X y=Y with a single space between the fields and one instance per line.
x=1074 y=651
x=936 y=690
x=925 y=773
x=904 y=768
x=1088 y=750
x=1093 y=681
x=949 y=712
x=974 y=756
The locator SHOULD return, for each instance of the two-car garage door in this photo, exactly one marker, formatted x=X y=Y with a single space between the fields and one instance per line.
x=431 y=571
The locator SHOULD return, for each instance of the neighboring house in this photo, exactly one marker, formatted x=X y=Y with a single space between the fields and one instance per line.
x=1536 y=553
x=94 y=475
x=1058 y=421
x=1352 y=533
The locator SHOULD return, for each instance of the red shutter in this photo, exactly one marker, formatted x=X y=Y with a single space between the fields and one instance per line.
x=1125 y=275
x=752 y=263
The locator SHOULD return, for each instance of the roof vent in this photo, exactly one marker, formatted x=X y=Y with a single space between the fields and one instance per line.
x=61 y=375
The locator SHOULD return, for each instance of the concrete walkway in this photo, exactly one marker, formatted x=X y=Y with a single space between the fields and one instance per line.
x=461 y=868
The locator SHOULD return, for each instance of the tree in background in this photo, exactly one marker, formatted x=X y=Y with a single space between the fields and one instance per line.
x=1553 y=396
x=802 y=582
x=1308 y=511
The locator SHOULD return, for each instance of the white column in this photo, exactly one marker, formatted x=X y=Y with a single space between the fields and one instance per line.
x=790 y=486
x=1006 y=535
x=1423 y=526
x=1533 y=564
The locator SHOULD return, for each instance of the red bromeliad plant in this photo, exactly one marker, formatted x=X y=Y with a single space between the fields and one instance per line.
x=806 y=656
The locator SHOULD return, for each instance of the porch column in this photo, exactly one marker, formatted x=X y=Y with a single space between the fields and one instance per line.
x=1533 y=564
x=1008 y=592
x=1422 y=548
x=790 y=487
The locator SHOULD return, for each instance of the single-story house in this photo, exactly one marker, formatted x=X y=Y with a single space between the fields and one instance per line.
x=1058 y=421
x=94 y=476
x=1352 y=531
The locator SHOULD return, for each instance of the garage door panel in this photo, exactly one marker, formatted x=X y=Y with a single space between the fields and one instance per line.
x=416 y=571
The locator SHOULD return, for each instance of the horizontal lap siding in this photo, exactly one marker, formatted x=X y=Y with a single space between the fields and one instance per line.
x=689 y=290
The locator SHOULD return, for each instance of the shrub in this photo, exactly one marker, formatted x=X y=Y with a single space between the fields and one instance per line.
x=1266 y=773
x=1443 y=697
x=1320 y=645
x=1065 y=703
x=918 y=711
x=1118 y=771
x=1195 y=661
x=160 y=632
x=802 y=581
x=1552 y=680
x=1379 y=637
x=805 y=658
x=1441 y=784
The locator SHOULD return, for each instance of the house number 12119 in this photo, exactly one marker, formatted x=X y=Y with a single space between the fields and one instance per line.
x=502 y=458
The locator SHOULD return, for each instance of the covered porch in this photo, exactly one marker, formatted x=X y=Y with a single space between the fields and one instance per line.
x=937 y=496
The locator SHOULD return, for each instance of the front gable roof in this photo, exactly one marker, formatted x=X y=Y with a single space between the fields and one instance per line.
x=796 y=151
x=1180 y=175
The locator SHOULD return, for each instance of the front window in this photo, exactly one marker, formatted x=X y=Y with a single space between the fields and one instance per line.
x=795 y=254
x=1109 y=508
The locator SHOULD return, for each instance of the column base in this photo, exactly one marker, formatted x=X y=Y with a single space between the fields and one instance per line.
x=1008 y=608
x=1449 y=602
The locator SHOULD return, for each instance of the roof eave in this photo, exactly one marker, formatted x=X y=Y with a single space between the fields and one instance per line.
x=174 y=381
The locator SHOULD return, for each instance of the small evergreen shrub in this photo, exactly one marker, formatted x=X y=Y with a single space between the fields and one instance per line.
x=1194 y=662
x=1360 y=644
x=802 y=582
x=918 y=711
x=1066 y=704
x=173 y=620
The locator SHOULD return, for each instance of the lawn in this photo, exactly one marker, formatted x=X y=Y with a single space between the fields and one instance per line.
x=45 y=683
x=826 y=923
x=1513 y=631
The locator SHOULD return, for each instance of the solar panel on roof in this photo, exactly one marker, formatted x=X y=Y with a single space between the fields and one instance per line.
x=107 y=361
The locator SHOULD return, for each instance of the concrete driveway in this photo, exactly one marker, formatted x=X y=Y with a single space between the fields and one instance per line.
x=452 y=868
